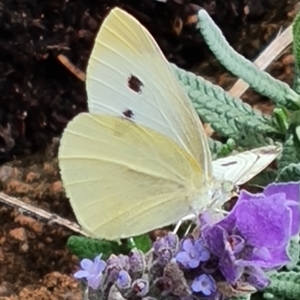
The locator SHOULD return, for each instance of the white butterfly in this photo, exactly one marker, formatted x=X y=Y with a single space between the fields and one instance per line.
x=139 y=160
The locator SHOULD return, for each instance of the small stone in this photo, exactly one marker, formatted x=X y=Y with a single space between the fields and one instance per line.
x=17 y=186
x=7 y=172
x=18 y=234
x=30 y=223
x=57 y=187
x=5 y=289
x=31 y=176
x=288 y=59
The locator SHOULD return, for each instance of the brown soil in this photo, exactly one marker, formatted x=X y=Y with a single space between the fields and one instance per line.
x=39 y=96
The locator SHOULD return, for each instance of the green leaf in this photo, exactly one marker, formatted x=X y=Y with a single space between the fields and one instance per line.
x=260 y=81
x=244 y=297
x=230 y=117
x=84 y=247
x=281 y=119
x=143 y=242
x=290 y=153
x=263 y=179
x=293 y=252
x=296 y=40
x=296 y=52
x=289 y=173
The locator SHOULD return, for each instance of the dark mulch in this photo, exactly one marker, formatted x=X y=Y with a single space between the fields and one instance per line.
x=39 y=95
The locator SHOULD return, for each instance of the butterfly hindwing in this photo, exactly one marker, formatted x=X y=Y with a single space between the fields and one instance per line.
x=124 y=179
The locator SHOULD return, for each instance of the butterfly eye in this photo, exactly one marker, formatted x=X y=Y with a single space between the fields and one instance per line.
x=135 y=84
x=227 y=187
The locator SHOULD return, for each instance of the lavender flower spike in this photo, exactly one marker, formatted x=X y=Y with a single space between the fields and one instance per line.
x=91 y=271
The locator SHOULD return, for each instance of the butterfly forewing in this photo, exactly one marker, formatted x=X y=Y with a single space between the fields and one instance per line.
x=128 y=75
x=243 y=166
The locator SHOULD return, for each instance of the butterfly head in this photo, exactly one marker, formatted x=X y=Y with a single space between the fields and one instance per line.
x=221 y=193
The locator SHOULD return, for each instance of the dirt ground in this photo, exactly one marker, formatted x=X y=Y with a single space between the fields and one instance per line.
x=39 y=96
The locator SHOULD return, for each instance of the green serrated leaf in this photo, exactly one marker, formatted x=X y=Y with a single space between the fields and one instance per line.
x=296 y=52
x=296 y=39
x=260 y=81
x=297 y=135
x=263 y=179
x=84 y=247
x=295 y=118
x=143 y=242
x=296 y=81
x=290 y=153
x=226 y=148
x=289 y=173
x=244 y=297
x=281 y=119
x=294 y=253
x=230 y=117
x=219 y=149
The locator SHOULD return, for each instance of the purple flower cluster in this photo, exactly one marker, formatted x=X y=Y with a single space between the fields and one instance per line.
x=255 y=236
x=192 y=254
x=233 y=252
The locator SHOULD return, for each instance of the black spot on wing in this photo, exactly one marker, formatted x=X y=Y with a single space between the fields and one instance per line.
x=231 y=163
x=135 y=84
x=128 y=114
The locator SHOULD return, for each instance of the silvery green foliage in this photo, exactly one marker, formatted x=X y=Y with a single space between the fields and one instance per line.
x=233 y=119
x=292 y=171
x=262 y=82
x=296 y=52
x=294 y=253
x=230 y=117
x=284 y=285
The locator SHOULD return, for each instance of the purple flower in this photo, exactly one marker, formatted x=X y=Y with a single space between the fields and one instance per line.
x=170 y=241
x=114 y=265
x=92 y=271
x=140 y=287
x=193 y=253
x=137 y=263
x=204 y=284
x=165 y=248
x=124 y=280
x=255 y=235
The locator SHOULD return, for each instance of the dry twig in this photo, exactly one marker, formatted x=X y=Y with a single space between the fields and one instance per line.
x=270 y=54
x=71 y=67
x=40 y=213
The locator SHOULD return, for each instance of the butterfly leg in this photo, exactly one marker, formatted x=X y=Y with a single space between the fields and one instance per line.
x=186 y=218
x=222 y=211
x=177 y=226
x=188 y=230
